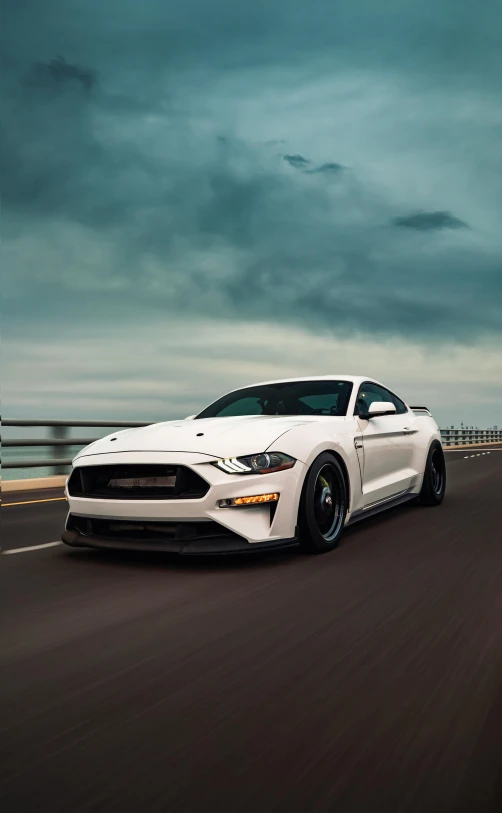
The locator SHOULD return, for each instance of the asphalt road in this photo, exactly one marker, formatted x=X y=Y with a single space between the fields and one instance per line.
x=368 y=679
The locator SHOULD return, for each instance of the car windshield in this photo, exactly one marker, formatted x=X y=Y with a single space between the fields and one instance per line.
x=285 y=398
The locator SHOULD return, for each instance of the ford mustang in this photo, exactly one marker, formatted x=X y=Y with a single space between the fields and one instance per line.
x=269 y=465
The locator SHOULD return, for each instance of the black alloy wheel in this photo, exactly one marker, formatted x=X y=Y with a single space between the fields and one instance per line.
x=434 y=483
x=323 y=505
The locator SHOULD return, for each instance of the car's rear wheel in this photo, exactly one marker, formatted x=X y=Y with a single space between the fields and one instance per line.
x=323 y=505
x=434 y=482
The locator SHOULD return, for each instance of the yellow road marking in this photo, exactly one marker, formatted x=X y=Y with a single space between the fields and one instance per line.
x=31 y=502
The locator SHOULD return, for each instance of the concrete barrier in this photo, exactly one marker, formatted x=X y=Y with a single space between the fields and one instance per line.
x=489 y=444
x=34 y=483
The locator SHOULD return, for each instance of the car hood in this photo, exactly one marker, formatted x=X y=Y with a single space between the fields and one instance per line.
x=216 y=437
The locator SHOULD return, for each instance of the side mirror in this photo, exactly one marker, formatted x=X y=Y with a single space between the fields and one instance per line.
x=190 y=418
x=380 y=408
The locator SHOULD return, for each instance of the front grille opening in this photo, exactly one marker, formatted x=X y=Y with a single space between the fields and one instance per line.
x=147 y=530
x=137 y=482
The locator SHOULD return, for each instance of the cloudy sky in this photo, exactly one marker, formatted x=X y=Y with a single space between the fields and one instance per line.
x=200 y=195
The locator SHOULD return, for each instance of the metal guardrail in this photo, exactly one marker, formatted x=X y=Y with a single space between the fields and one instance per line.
x=60 y=440
x=466 y=437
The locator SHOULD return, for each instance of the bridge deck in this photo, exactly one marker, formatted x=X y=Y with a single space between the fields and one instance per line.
x=364 y=680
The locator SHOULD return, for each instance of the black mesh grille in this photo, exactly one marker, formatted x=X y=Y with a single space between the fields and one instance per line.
x=137 y=482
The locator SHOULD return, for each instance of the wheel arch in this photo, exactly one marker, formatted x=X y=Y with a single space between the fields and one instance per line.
x=433 y=441
x=345 y=471
x=308 y=442
x=346 y=475
x=424 y=452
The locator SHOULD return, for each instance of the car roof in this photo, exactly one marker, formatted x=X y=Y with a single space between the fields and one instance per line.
x=354 y=379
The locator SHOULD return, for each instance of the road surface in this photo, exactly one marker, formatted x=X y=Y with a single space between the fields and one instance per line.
x=368 y=679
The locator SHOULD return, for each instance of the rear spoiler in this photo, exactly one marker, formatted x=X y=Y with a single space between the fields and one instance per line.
x=421 y=409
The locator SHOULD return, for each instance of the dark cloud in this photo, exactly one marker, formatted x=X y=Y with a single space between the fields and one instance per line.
x=159 y=187
x=297 y=161
x=327 y=169
x=58 y=73
x=430 y=221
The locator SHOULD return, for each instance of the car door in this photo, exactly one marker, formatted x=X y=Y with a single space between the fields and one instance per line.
x=387 y=446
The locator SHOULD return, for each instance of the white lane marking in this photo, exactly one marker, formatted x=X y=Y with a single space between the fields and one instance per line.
x=479 y=453
x=32 y=547
x=458 y=451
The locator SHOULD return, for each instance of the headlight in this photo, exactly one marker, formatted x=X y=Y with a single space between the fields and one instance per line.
x=256 y=463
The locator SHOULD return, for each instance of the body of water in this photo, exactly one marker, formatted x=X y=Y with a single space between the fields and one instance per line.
x=42 y=452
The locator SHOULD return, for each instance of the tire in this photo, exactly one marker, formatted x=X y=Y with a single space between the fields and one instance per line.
x=434 y=482
x=323 y=505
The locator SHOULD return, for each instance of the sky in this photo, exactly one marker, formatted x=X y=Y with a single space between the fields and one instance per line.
x=197 y=196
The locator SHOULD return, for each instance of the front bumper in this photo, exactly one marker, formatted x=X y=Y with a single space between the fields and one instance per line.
x=196 y=526
x=184 y=540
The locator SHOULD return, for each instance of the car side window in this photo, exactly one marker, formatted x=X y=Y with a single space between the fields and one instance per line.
x=401 y=407
x=369 y=393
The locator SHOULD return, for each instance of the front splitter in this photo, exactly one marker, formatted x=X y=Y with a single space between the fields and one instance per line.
x=185 y=547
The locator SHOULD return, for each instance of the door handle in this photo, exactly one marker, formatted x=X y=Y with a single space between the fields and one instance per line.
x=407 y=430
x=358 y=443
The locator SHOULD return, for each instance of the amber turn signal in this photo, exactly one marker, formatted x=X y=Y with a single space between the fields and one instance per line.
x=258 y=498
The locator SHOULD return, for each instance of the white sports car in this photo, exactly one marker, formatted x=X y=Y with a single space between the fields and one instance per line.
x=269 y=465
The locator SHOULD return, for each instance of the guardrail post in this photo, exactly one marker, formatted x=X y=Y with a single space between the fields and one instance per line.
x=59 y=433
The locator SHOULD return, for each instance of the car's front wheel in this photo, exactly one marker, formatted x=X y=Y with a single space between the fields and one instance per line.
x=434 y=482
x=323 y=505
